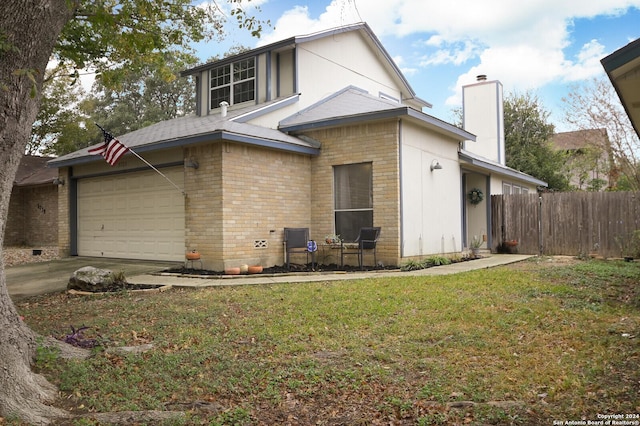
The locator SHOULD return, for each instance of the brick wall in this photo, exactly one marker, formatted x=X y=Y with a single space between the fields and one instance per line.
x=14 y=234
x=33 y=216
x=240 y=200
x=64 y=230
x=376 y=143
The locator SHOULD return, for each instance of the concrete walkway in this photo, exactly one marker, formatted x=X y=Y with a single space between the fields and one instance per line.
x=52 y=276
x=175 y=280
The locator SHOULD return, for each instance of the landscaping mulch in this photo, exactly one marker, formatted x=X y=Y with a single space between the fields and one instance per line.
x=13 y=256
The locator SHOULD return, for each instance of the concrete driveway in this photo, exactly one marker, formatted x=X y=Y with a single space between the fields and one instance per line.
x=33 y=279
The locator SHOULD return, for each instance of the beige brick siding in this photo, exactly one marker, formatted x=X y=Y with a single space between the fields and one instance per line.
x=241 y=197
x=33 y=216
x=64 y=230
x=376 y=143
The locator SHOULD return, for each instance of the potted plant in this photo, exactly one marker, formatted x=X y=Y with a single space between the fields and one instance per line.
x=333 y=239
x=475 y=244
x=508 y=246
x=193 y=255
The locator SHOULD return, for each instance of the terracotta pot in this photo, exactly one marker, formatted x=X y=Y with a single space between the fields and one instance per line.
x=193 y=255
x=232 y=271
x=256 y=269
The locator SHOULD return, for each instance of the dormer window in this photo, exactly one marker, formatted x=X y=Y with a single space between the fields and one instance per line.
x=233 y=83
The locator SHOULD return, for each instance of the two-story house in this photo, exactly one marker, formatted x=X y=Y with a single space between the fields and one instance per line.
x=320 y=131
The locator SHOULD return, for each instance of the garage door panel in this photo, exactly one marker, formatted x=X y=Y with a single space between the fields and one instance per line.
x=135 y=215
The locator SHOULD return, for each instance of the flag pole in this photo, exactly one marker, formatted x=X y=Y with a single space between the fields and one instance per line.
x=107 y=134
x=159 y=172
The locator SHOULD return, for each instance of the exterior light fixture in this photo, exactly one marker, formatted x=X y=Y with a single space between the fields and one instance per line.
x=58 y=181
x=191 y=163
x=435 y=165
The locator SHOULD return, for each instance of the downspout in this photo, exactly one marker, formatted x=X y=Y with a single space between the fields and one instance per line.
x=463 y=205
x=401 y=186
x=489 y=221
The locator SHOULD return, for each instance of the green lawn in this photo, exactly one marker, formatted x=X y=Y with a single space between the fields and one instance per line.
x=529 y=343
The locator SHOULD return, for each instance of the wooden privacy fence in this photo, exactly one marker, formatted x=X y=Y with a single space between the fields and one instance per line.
x=566 y=223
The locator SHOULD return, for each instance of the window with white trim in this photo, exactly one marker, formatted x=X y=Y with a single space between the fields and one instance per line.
x=353 y=191
x=233 y=83
x=511 y=188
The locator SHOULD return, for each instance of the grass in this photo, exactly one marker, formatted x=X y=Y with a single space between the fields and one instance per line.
x=526 y=344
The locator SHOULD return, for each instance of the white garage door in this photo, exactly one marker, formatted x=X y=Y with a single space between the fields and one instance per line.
x=133 y=216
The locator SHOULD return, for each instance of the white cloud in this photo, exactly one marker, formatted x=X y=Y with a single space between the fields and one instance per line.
x=455 y=54
x=587 y=63
x=297 y=21
x=526 y=44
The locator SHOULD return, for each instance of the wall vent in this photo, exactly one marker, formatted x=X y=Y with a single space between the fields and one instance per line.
x=260 y=244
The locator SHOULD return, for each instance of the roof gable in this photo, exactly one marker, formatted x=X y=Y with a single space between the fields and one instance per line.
x=364 y=30
x=352 y=105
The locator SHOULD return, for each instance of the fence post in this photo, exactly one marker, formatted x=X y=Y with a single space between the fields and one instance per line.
x=540 y=241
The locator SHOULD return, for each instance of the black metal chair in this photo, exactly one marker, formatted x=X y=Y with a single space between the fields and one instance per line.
x=367 y=240
x=295 y=242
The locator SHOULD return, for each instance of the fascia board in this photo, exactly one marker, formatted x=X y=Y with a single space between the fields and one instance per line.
x=506 y=171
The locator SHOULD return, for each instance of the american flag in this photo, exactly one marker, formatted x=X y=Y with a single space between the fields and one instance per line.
x=111 y=149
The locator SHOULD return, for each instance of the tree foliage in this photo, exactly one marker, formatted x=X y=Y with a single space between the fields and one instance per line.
x=139 y=100
x=115 y=35
x=527 y=135
x=595 y=105
x=59 y=122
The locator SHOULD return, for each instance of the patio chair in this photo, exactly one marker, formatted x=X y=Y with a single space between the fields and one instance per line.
x=295 y=242
x=367 y=240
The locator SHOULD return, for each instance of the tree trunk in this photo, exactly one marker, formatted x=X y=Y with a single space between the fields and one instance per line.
x=29 y=30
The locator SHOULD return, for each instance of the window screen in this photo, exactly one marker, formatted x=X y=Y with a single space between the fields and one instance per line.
x=353 y=189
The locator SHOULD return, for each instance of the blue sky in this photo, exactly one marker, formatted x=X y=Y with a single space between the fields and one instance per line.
x=543 y=46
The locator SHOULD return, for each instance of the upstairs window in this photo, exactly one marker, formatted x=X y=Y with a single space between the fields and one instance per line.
x=233 y=83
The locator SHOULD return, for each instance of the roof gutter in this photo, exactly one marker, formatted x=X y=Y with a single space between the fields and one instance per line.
x=425 y=119
x=220 y=135
x=487 y=165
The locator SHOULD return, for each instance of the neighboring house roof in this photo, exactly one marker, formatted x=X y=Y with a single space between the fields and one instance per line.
x=33 y=170
x=194 y=129
x=623 y=69
x=351 y=105
x=364 y=29
x=489 y=165
x=579 y=139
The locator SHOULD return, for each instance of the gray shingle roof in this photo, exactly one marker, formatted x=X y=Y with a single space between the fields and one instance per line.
x=194 y=129
x=351 y=105
x=33 y=171
x=350 y=101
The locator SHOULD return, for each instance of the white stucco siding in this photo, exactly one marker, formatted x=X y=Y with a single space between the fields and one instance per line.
x=348 y=60
x=431 y=210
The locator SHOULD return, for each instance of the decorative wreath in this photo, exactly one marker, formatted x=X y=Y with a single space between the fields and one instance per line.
x=475 y=196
